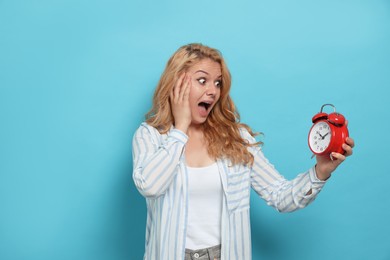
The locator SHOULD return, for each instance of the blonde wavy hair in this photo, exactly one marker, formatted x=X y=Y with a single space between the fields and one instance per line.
x=222 y=127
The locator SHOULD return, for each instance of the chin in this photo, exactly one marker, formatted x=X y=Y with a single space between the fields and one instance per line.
x=199 y=121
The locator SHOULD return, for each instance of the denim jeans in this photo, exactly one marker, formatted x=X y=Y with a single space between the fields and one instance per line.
x=210 y=253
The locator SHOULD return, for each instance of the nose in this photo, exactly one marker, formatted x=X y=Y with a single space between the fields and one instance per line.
x=211 y=90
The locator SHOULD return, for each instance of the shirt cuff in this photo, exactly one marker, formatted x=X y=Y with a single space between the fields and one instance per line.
x=179 y=135
x=313 y=176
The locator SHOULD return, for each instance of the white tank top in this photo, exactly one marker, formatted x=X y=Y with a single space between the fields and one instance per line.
x=204 y=207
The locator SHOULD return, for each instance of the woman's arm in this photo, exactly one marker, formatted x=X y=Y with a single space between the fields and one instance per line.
x=289 y=195
x=282 y=194
x=155 y=165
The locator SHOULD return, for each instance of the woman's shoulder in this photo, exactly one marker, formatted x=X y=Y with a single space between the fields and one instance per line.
x=249 y=136
x=246 y=134
x=144 y=125
x=147 y=130
x=147 y=133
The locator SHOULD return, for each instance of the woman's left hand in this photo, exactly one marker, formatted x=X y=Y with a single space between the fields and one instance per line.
x=325 y=166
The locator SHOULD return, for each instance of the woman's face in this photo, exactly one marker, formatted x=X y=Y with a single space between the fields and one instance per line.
x=206 y=83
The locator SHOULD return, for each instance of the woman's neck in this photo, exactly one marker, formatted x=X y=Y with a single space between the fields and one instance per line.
x=195 y=130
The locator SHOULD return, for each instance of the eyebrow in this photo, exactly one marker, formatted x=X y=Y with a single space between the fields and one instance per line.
x=220 y=76
x=202 y=71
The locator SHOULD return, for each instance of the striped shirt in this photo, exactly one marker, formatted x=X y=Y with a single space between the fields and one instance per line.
x=161 y=176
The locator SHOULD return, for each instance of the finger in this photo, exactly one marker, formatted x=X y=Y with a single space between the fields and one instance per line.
x=183 y=87
x=348 y=149
x=171 y=93
x=338 y=156
x=179 y=85
x=188 y=89
x=350 y=141
x=177 y=88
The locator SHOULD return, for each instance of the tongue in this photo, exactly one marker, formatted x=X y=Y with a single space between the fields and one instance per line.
x=202 y=111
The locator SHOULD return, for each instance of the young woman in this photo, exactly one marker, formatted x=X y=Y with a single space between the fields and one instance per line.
x=195 y=164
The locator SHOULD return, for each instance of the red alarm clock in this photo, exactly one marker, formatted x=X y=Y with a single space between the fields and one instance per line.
x=328 y=133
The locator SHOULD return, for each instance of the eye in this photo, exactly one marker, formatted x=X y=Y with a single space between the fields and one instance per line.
x=218 y=83
x=202 y=81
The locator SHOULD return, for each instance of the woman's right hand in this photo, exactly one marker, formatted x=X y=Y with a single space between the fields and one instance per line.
x=180 y=103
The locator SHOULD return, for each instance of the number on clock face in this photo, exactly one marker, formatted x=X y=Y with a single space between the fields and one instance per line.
x=319 y=137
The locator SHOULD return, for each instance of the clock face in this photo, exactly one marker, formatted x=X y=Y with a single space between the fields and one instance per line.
x=319 y=137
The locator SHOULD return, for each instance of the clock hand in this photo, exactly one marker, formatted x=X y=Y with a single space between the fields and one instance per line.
x=325 y=135
x=320 y=134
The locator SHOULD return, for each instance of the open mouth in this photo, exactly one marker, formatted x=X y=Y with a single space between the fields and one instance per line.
x=205 y=105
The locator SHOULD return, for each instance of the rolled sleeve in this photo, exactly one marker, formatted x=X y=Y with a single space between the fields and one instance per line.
x=179 y=135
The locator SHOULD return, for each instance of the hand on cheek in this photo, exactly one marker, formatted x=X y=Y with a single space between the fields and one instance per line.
x=180 y=104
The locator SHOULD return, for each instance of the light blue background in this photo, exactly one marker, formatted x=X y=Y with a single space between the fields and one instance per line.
x=76 y=78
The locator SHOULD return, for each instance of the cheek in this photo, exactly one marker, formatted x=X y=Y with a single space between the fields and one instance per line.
x=194 y=96
x=218 y=93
